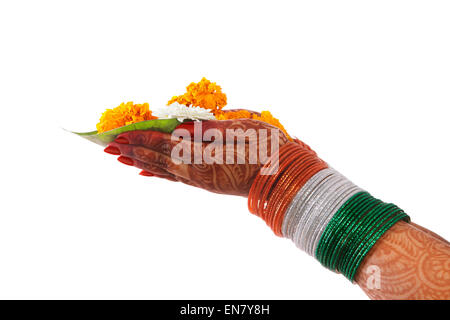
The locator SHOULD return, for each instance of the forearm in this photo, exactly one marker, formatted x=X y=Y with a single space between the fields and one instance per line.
x=407 y=262
x=324 y=213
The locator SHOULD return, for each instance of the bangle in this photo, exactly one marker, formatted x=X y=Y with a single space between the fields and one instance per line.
x=320 y=210
x=353 y=231
x=270 y=195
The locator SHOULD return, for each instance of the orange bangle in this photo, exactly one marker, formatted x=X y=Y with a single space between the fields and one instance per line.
x=269 y=181
x=278 y=178
x=302 y=177
x=296 y=163
x=254 y=199
x=270 y=195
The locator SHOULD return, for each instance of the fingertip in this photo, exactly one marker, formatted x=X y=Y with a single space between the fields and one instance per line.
x=126 y=160
x=146 y=173
x=112 y=150
x=122 y=140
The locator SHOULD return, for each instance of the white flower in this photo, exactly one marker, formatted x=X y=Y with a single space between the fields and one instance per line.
x=181 y=112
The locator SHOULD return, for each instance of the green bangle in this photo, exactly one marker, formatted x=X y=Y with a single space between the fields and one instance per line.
x=348 y=222
x=354 y=230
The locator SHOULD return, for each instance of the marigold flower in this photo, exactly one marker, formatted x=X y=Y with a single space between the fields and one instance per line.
x=265 y=116
x=240 y=114
x=204 y=94
x=124 y=114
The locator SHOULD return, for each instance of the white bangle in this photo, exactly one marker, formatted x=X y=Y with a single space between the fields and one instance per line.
x=293 y=211
x=313 y=207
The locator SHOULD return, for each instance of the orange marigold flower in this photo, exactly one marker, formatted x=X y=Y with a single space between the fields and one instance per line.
x=240 y=114
x=265 y=116
x=124 y=114
x=204 y=94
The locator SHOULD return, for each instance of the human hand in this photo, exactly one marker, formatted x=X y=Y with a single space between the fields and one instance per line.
x=153 y=152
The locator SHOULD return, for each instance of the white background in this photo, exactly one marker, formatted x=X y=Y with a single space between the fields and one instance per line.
x=365 y=83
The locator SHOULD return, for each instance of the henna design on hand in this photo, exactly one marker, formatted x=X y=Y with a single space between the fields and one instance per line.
x=152 y=152
x=412 y=264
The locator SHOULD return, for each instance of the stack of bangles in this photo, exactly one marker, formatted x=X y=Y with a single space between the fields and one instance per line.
x=320 y=210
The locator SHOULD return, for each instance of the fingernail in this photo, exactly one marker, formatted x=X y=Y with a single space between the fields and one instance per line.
x=122 y=140
x=146 y=173
x=185 y=125
x=112 y=150
x=126 y=160
x=189 y=126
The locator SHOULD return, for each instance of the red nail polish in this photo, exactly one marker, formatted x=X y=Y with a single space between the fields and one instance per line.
x=122 y=140
x=112 y=150
x=189 y=126
x=146 y=173
x=126 y=160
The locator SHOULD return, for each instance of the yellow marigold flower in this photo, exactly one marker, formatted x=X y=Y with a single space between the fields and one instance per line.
x=204 y=94
x=124 y=114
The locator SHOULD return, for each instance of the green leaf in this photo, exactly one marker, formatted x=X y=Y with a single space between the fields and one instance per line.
x=162 y=125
